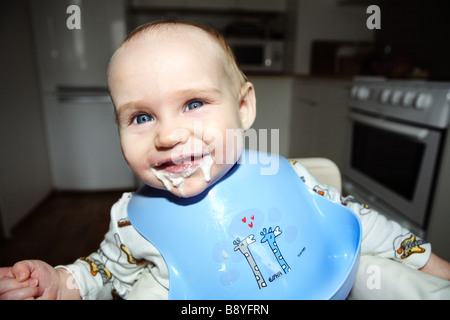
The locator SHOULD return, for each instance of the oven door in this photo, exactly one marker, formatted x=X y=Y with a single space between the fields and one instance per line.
x=394 y=163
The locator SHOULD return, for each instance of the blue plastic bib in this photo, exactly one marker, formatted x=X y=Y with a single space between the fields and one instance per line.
x=252 y=236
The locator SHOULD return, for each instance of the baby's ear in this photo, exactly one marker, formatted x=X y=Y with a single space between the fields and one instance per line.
x=247 y=105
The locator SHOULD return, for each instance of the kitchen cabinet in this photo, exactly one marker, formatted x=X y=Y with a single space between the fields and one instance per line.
x=156 y=3
x=266 y=5
x=273 y=105
x=207 y=4
x=247 y=5
x=318 y=119
x=84 y=145
x=310 y=116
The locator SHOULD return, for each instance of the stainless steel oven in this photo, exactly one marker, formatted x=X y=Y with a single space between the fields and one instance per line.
x=396 y=130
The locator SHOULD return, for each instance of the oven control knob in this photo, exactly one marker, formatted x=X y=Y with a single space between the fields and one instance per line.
x=354 y=92
x=384 y=96
x=408 y=98
x=396 y=96
x=363 y=93
x=423 y=101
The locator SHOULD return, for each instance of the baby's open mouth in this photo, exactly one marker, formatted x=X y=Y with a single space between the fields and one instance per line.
x=174 y=172
x=182 y=165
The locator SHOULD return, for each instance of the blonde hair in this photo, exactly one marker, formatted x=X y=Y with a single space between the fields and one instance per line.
x=231 y=66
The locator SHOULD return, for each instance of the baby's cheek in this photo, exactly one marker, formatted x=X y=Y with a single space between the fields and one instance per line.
x=228 y=149
x=137 y=162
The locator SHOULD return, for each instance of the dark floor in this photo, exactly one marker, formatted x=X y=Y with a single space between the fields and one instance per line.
x=64 y=227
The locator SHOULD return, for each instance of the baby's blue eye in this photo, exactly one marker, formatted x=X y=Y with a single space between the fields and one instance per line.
x=194 y=105
x=142 y=118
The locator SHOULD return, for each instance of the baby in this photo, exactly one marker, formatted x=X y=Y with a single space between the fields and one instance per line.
x=178 y=93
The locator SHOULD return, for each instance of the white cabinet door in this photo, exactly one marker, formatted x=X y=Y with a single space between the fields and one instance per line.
x=273 y=106
x=84 y=146
x=319 y=120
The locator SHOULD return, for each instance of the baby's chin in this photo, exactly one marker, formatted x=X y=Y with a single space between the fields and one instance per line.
x=196 y=185
x=190 y=191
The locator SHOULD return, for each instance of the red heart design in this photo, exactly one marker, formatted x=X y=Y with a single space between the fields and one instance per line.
x=253 y=217
x=250 y=224
x=244 y=220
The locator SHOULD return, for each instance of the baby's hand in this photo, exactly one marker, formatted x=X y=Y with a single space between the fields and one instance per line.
x=14 y=289
x=29 y=279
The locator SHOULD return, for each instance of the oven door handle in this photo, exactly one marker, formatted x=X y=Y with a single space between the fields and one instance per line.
x=417 y=134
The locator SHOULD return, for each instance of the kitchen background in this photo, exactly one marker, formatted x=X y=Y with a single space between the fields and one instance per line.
x=57 y=129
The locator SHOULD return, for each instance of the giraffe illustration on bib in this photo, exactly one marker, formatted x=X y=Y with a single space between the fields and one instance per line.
x=242 y=246
x=269 y=237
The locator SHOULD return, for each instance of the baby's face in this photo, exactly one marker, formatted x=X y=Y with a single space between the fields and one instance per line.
x=180 y=118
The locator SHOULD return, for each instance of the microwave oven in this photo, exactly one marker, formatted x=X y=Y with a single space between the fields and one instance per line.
x=259 y=55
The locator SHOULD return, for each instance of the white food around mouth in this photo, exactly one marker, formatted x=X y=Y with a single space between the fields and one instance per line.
x=176 y=180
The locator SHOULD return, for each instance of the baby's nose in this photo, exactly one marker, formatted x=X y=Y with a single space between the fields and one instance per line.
x=170 y=135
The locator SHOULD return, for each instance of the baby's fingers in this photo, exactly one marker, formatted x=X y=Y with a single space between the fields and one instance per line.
x=23 y=269
x=6 y=273
x=11 y=289
x=21 y=294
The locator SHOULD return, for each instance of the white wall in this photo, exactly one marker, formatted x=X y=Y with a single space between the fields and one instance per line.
x=24 y=166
